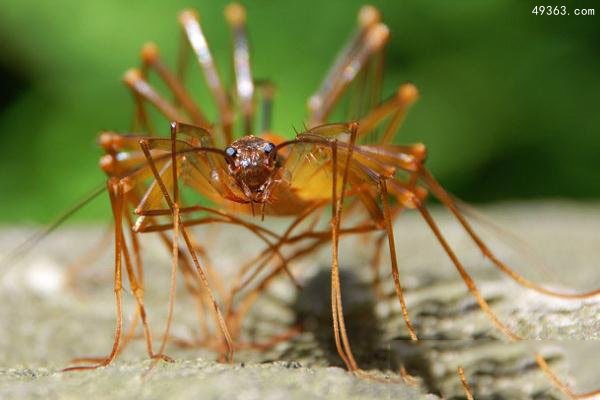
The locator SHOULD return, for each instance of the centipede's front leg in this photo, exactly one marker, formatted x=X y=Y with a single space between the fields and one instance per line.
x=116 y=194
x=172 y=201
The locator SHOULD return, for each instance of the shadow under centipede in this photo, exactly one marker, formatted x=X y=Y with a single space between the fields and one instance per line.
x=366 y=330
x=380 y=343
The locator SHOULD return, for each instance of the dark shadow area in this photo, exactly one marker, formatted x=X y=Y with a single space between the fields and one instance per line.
x=313 y=314
x=489 y=361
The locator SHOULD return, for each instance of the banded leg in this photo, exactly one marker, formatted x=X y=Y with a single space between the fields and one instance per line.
x=397 y=106
x=265 y=256
x=172 y=205
x=151 y=60
x=387 y=217
x=266 y=89
x=368 y=41
x=143 y=91
x=464 y=383
x=236 y=16
x=190 y=23
x=116 y=195
x=447 y=200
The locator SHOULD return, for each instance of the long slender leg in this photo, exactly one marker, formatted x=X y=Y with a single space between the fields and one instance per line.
x=464 y=383
x=239 y=285
x=137 y=289
x=392 y=246
x=192 y=284
x=336 y=295
x=447 y=200
x=397 y=106
x=318 y=240
x=116 y=197
x=138 y=293
x=463 y=273
x=134 y=79
x=367 y=18
x=141 y=121
x=236 y=16
x=183 y=56
x=273 y=248
x=475 y=292
x=375 y=39
x=114 y=143
x=230 y=219
x=217 y=312
x=189 y=21
x=266 y=89
x=151 y=59
x=561 y=385
x=369 y=39
x=173 y=280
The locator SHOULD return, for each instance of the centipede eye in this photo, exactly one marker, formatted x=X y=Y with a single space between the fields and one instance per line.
x=230 y=152
x=268 y=148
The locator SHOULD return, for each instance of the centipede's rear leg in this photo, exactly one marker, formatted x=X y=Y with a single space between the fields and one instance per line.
x=195 y=39
x=449 y=203
x=447 y=200
x=407 y=196
x=365 y=45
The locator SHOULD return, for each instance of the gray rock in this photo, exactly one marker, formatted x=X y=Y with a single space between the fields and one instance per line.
x=46 y=321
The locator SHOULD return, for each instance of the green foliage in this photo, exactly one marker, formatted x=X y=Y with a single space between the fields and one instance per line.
x=509 y=100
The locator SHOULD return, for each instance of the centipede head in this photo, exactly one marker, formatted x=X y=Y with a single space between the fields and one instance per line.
x=252 y=162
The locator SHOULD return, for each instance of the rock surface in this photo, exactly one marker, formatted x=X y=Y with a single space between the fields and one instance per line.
x=47 y=318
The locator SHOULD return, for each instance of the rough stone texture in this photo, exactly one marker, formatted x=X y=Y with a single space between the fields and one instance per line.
x=45 y=322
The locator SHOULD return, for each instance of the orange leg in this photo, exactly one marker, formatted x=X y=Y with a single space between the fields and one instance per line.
x=266 y=90
x=465 y=384
x=447 y=200
x=172 y=205
x=339 y=326
x=151 y=59
x=190 y=23
x=236 y=16
x=479 y=298
x=117 y=198
x=367 y=42
x=143 y=91
x=392 y=246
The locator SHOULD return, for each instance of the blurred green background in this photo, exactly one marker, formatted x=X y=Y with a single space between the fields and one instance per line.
x=509 y=102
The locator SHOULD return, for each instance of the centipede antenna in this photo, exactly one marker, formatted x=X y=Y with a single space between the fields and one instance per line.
x=20 y=251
